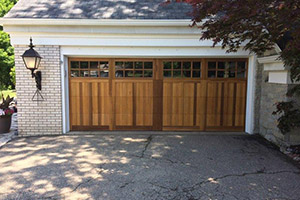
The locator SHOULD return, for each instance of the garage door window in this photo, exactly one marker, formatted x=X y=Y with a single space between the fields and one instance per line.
x=182 y=69
x=133 y=69
x=92 y=69
x=226 y=69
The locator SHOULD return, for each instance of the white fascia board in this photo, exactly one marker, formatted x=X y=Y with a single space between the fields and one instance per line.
x=275 y=67
x=90 y=30
x=110 y=41
x=93 y=22
x=149 y=52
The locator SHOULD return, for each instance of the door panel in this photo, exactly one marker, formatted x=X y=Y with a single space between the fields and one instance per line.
x=144 y=103
x=214 y=98
x=226 y=105
x=90 y=107
x=179 y=104
x=124 y=104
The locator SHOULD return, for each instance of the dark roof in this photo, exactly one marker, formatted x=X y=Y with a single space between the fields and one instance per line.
x=99 y=9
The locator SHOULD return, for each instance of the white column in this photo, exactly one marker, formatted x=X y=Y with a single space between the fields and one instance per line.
x=251 y=87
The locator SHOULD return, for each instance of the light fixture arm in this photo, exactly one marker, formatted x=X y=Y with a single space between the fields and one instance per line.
x=38 y=79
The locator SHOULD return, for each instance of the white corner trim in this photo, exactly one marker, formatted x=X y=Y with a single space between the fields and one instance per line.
x=269 y=59
x=251 y=87
x=65 y=93
x=93 y=22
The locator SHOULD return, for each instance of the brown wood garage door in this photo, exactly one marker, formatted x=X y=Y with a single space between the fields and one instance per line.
x=157 y=94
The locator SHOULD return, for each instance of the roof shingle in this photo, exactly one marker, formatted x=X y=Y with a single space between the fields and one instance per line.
x=99 y=9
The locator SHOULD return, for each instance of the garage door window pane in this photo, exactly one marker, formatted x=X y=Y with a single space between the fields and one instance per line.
x=241 y=66
x=221 y=74
x=212 y=65
x=84 y=73
x=84 y=65
x=197 y=65
x=104 y=65
x=138 y=73
x=74 y=73
x=176 y=74
x=168 y=74
x=128 y=73
x=176 y=65
x=211 y=74
x=221 y=65
x=119 y=73
x=94 y=65
x=103 y=74
x=196 y=74
x=167 y=65
x=186 y=65
x=94 y=73
x=128 y=65
x=231 y=74
x=186 y=74
x=138 y=65
x=148 y=65
x=232 y=66
x=119 y=65
x=148 y=73
x=241 y=74
x=75 y=65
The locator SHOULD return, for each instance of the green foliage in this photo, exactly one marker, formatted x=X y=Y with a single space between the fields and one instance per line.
x=7 y=76
x=12 y=74
x=289 y=116
x=6 y=5
x=6 y=61
x=6 y=93
x=5 y=102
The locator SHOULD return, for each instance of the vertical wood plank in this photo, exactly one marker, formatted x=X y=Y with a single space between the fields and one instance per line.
x=188 y=104
x=201 y=105
x=124 y=104
x=211 y=104
x=95 y=104
x=167 y=104
x=158 y=107
x=177 y=104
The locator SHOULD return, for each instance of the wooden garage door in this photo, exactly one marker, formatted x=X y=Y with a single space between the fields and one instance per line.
x=158 y=94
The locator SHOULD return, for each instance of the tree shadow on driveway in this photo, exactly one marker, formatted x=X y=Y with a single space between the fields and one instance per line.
x=145 y=167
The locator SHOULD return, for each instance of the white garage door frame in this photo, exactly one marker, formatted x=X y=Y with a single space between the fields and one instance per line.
x=155 y=52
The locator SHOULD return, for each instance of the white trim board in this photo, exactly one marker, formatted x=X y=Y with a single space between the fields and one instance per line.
x=95 y=22
x=251 y=87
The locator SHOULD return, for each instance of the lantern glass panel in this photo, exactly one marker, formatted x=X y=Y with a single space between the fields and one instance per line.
x=38 y=61
x=30 y=62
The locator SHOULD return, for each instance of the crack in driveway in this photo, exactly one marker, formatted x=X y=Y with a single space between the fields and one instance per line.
x=262 y=171
x=149 y=139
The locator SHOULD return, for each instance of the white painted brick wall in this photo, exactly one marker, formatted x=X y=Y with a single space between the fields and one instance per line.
x=39 y=118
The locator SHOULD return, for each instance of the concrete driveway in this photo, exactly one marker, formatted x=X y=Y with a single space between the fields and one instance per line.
x=146 y=167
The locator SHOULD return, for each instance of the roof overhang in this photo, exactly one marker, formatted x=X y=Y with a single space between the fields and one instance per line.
x=93 y=22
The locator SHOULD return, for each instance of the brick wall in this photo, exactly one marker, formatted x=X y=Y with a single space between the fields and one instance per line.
x=39 y=118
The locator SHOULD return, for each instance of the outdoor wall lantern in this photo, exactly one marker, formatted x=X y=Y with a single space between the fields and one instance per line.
x=32 y=60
